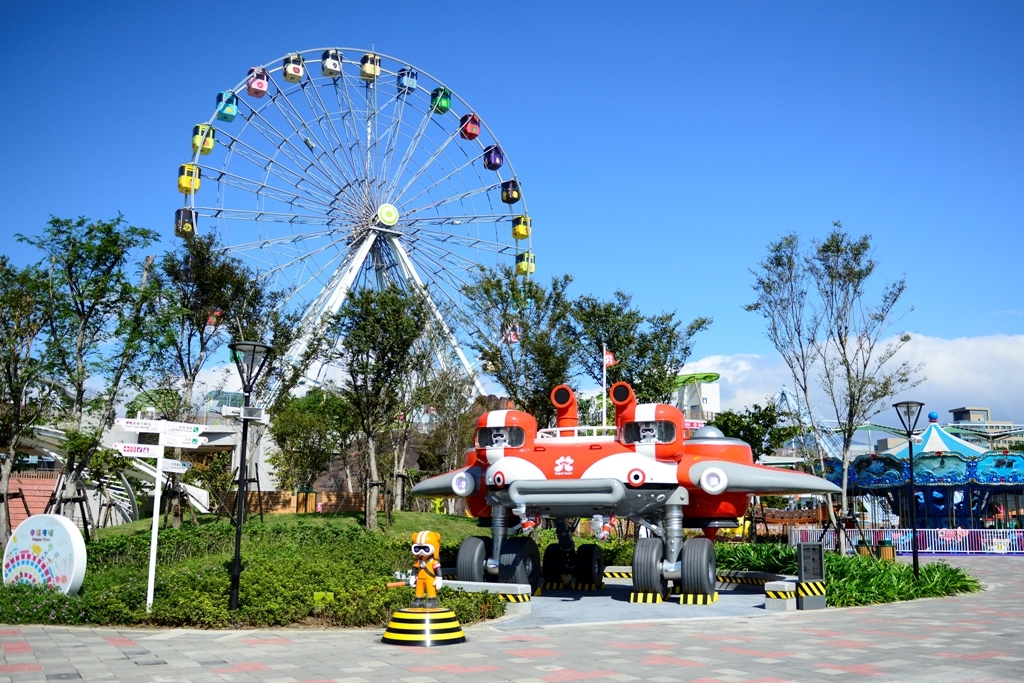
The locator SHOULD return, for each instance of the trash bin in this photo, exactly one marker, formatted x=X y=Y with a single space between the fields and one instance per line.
x=886 y=551
x=863 y=548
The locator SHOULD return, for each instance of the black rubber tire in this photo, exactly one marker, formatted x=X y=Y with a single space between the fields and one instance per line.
x=647 y=557
x=554 y=563
x=699 y=572
x=519 y=562
x=473 y=552
x=590 y=564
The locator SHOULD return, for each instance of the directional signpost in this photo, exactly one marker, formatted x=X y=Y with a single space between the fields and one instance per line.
x=172 y=435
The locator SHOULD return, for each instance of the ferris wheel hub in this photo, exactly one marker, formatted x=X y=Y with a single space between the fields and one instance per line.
x=387 y=215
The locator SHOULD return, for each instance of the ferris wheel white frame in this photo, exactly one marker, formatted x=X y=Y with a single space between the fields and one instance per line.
x=339 y=179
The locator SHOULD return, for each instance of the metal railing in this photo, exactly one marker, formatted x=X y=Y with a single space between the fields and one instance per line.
x=581 y=430
x=932 y=541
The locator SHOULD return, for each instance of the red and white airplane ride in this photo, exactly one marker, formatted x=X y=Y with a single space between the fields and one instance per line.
x=648 y=468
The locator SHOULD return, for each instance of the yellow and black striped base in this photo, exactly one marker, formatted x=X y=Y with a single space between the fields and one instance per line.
x=780 y=595
x=559 y=586
x=649 y=598
x=424 y=627
x=806 y=588
x=514 y=597
x=697 y=598
x=728 y=578
x=618 y=575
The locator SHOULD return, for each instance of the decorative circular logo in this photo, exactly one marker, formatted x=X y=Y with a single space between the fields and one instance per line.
x=46 y=550
x=636 y=477
x=387 y=215
x=499 y=479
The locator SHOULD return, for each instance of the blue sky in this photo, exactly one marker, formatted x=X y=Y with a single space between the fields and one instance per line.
x=660 y=146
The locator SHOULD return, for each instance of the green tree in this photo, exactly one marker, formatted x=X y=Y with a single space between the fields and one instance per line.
x=23 y=364
x=523 y=335
x=379 y=331
x=650 y=350
x=95 y=323
x=452 y=411
x=763 y=427
x=308 y=432
x=203 y=295
x=858 y=372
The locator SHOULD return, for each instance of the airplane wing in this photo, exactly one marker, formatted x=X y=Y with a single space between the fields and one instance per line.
x=441 y=486
x=759 y=479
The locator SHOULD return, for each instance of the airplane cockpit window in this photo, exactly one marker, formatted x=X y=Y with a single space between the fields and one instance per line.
x=495 y=437
x=661 y=431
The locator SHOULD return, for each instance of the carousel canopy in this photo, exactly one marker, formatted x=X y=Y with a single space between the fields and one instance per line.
x=937 y=440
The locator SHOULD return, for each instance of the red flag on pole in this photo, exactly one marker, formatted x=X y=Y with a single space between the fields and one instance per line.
x=609 y=359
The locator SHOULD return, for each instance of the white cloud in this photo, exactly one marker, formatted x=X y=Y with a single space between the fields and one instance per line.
x=980 y=371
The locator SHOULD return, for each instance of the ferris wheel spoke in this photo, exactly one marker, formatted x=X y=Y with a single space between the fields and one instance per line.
x=336 y=143
x=457 y=172
x=285 y=239
x=306 y=255
x=462 y=240
x=393 y=132
x=414 y=144
x=440 y=253
x=350 y=121
x=390 y=133
x=312 y=140
x=269 y=191
x=457 y=220
x=275 y=217
x=285 y=145
x=425 y=165
x=449 y=200
x=279 y=170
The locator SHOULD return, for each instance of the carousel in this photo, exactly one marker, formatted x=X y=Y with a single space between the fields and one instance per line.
x=957 y=485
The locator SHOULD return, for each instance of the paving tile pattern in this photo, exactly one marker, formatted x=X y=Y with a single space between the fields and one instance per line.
x=974 y=639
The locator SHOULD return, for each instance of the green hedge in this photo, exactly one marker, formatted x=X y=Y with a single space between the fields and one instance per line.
x=855 y=579
x=283 y=567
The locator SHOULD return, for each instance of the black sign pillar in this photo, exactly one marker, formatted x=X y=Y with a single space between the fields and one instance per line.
x=810 y=558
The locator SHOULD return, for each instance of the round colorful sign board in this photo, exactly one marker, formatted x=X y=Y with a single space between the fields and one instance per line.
x=46 y=550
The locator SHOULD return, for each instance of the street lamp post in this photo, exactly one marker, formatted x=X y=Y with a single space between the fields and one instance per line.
x=909 y=412
x=249 y=358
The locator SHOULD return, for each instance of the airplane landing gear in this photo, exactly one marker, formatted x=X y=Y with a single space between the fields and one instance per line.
x=697 y=566
x=519 y=562
x=648 y=556
x=473 y=554
x=590 y=564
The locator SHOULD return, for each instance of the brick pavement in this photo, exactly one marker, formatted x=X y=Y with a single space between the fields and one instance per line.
x=971 y=638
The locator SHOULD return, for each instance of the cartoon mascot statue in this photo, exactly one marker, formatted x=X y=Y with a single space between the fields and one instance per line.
x=426 y=578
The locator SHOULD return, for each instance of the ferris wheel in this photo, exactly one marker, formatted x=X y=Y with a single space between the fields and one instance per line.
x=337 y=168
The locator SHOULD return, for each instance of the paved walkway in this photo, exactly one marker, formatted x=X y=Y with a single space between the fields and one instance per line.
x=975 y=638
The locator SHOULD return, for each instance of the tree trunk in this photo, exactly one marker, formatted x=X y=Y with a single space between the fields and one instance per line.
x=372 y=492
x=398 y=485
x=348 y=479
x=6 y=467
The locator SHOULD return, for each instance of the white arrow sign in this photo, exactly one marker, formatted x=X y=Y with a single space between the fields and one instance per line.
x=139 y=450
x=161 y=426
x=181 y=441
x=176 y=466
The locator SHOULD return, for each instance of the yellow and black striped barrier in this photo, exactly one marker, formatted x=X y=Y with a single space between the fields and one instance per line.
x=807 y=588
x=648 y=598
x=559 y=586
x=780 y=595
x=514 y=597
x=618 y=575
x=697 y=598
x=729 y=578
x=554 y=586
x=539 y=590
x=424 y=627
